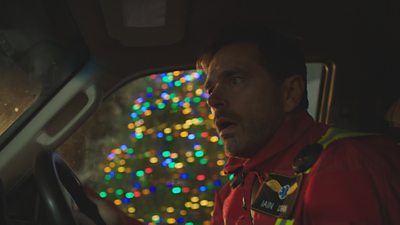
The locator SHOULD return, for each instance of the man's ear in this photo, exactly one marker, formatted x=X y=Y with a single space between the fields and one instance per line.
x=292 y=92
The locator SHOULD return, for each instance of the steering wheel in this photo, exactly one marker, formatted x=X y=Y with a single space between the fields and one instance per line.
x=51 y=173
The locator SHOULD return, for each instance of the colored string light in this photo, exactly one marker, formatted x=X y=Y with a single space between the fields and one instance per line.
x=173 y=155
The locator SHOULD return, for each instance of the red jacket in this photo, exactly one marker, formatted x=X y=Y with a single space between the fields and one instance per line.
x=355 y=181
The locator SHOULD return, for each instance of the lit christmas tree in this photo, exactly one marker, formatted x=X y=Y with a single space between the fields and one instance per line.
x=166 y=163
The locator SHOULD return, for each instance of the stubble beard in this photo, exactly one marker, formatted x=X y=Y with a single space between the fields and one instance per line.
x=249 y=140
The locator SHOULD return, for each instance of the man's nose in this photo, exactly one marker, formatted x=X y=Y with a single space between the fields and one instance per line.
x=217 y=99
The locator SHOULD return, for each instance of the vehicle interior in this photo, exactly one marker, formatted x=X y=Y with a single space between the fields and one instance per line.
x=106 y=94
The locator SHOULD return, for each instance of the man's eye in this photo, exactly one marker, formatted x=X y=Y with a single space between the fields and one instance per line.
x=236 y=80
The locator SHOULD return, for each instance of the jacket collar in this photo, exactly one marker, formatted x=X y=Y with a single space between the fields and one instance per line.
x=292 y=129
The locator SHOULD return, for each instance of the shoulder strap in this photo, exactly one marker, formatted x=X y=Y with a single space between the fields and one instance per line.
x=310 y=154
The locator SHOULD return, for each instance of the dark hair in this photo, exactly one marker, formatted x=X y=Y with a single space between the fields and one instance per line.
x=281 y=55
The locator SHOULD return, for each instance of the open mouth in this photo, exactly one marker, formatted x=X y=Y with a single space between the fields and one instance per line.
x=225 y=126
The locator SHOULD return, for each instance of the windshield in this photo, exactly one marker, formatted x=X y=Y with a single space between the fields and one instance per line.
x=37 y=56
x=17 y=92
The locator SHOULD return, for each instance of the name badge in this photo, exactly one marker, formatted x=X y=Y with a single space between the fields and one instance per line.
x=277 y=195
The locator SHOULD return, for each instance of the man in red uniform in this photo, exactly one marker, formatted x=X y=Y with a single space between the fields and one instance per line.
x=288 y=169
x=256 y=80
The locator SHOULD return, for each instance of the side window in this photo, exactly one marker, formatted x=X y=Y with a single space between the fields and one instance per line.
x=152 y=150
x=313 y=86
x=320 y=87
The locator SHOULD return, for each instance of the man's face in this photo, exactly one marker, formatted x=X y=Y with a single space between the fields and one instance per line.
x=245 y=99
